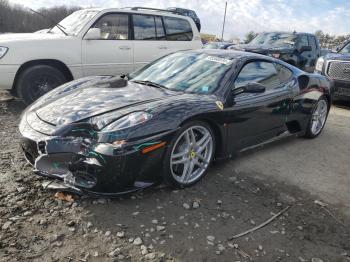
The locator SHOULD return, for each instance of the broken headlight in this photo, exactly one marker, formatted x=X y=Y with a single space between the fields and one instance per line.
x=133 y=119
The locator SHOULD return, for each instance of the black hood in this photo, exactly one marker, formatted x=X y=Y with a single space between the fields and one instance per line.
x=92 y=100
x=337 y=56
x=265 y=49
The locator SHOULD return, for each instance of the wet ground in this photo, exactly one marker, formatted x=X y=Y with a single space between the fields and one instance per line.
x=195 y=224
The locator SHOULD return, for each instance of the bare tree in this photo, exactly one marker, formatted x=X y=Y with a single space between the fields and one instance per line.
x=16 y=18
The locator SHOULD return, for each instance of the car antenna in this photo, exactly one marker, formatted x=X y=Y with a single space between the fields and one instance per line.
x=51 y=20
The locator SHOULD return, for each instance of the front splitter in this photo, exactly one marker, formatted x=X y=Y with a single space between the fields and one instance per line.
x=60 y=186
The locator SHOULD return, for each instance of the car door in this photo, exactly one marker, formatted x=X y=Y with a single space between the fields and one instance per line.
x=257 y=117
x=112 y=53
x=314 y=54
x=179 y=34
x=149 y=39
x=305 y=57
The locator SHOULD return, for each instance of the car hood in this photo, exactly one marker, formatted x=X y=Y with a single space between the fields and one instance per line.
x=337 y=56
x=91 y=100
x=4 y=38
x=264 y=49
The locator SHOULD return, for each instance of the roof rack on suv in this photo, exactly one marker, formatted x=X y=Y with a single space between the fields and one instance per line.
x=152 y=9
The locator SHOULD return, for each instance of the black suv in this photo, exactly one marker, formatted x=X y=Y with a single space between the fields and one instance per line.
x=299 y=49
x=336 y=66
x=187 y=12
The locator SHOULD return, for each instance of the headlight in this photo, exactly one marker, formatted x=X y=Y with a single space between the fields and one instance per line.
x=130 y=120
x=319 y=64
x=3 y=51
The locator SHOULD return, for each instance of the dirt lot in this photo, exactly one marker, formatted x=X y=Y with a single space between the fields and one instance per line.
x=194 y=224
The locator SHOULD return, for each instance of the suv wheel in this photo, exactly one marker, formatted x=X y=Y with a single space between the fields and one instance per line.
x=37 y=80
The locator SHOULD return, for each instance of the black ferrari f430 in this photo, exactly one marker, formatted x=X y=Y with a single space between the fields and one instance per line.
x=168 y=121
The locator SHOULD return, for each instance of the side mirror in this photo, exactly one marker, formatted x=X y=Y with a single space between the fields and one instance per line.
x=305 y=49
x=251 y=88
x=93 y=34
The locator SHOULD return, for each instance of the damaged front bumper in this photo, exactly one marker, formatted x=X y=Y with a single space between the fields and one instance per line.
x=79 y=163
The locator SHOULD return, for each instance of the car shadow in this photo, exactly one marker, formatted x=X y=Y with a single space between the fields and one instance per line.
x=228 y=203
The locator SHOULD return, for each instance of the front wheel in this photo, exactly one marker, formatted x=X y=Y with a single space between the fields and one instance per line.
x=318 y=118
x=189 y=155
x=37 y=80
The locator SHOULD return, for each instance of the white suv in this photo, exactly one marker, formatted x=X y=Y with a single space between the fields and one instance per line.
x=91 y=42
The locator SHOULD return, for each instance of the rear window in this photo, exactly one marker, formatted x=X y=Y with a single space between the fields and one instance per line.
x=177 y=29
x=144 y=27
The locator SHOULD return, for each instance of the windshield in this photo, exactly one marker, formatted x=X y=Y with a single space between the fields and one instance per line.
x=73 y=23
x=345 y=49
x=274 y=39
x=188 y=72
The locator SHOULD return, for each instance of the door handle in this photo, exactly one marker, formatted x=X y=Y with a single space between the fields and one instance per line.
x=124 y=47
x=163 y=47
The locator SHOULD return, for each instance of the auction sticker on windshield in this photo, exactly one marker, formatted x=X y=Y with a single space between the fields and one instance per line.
x=218 y=60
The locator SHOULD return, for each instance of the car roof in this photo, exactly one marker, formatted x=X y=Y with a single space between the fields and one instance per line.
x=242 y=55
x=141 y=11
x=232 y=54
x=286 y=32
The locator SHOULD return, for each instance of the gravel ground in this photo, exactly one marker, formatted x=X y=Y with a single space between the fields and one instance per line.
x=161 y=224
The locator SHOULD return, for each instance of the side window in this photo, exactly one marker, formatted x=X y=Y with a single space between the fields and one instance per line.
x=312 y=42
x=178 y=29
x=303 y=41
x=261 y=72
x=159 y=28
x=284 y=74
x=144 y=27
x=113 y=27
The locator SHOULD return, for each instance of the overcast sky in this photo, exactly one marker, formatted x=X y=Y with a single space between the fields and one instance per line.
x=332 y=16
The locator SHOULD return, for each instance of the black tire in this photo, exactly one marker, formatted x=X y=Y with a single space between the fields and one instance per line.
x=167 y=173
x=309 y=133
x=37 y=80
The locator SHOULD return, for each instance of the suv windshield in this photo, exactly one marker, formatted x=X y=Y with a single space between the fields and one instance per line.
x=274 y=39
x=188 y=72
x=73 y=23
x=345 y=49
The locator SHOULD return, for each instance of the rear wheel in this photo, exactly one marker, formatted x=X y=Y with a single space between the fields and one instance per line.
x=37 y=80
x=189 y=155
x=318 y=118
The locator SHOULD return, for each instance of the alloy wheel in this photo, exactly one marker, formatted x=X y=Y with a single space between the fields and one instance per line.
x=319 y=116
x=191 y=154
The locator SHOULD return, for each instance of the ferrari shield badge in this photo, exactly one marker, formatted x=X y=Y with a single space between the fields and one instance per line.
x=220 y=105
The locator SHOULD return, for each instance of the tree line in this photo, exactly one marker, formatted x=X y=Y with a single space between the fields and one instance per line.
x=18 y=19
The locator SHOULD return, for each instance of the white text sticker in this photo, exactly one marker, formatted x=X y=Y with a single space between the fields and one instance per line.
x=218 y=60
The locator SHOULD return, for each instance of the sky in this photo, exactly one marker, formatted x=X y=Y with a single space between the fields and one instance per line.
x=331 y=16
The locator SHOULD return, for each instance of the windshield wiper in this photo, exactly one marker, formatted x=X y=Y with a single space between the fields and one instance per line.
x=60 y=27
x=149 y=83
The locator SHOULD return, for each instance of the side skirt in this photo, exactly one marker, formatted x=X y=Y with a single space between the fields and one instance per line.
x=279 y=137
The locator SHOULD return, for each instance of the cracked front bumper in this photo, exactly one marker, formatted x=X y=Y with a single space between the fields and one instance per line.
x=88 y=167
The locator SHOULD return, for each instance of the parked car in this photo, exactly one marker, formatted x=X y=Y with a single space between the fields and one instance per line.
x=91 y=42
x=336 y=66
x=172 y=118
x=299 y=49
x=189 y=13
x=217 y=45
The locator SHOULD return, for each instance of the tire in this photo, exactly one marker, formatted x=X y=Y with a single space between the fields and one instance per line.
x=197 y=157
x=37 y=80
x=320 y=111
